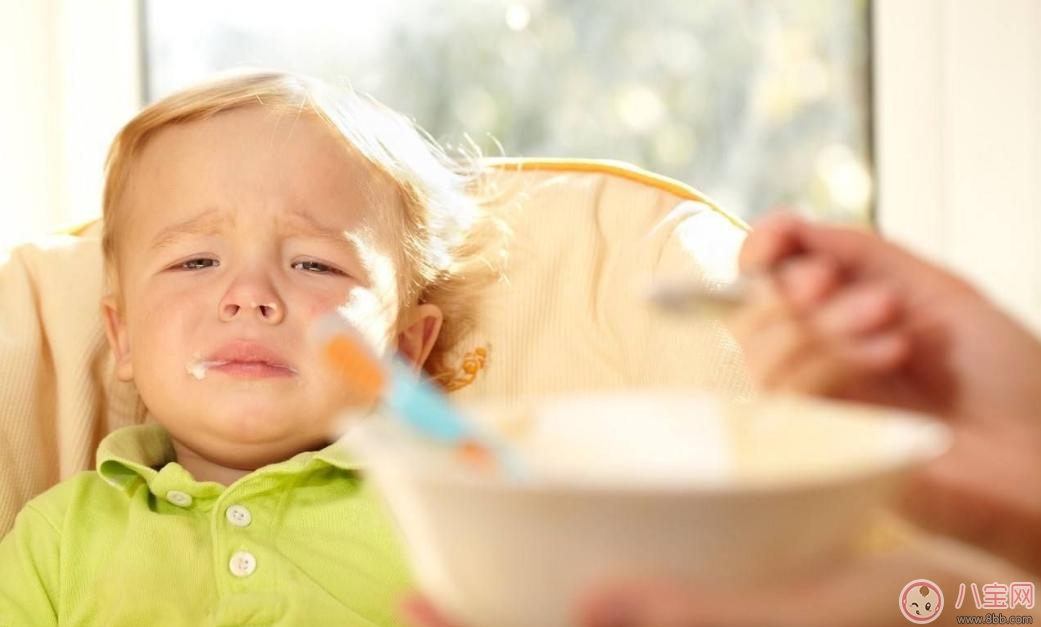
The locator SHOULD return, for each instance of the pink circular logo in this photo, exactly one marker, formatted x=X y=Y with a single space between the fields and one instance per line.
x=921 y=601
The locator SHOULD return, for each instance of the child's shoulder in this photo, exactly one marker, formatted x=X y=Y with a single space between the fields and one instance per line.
x=84 y=490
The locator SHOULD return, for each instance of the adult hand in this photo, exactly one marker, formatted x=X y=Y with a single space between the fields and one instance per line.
x=840 y=312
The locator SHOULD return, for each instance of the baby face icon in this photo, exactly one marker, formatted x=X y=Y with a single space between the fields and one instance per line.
x=920 y=601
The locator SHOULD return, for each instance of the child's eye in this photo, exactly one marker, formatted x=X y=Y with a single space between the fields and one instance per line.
x=197 y=264
x=315 y=267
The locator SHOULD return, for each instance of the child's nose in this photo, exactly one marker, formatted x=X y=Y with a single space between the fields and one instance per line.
x=252 y=300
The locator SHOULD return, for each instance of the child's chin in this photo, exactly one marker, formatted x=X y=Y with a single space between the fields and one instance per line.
x=261 y=419
x=262 y=427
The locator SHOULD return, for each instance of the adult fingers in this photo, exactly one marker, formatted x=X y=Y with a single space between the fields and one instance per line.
x=832 y=370
x=856 y=310
x=770 y=332
x=772 y=239
x=807 y=281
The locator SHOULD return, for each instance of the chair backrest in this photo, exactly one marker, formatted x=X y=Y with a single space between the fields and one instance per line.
x=589 y=237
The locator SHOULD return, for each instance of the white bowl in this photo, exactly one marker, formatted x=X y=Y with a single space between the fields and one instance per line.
x=654 y=483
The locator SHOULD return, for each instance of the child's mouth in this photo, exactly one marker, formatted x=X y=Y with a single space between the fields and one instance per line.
x=240 y=369
x=252 y=369
x=242 y=360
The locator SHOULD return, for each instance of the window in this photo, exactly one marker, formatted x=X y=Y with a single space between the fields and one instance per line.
x=757 y=103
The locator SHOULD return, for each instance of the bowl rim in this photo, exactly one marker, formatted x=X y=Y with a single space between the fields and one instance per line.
x=935 y=438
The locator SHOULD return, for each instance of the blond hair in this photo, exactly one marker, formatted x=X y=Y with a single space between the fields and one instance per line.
x=449 y=238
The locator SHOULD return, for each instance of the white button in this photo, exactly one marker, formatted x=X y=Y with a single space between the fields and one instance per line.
x=239 y=516
x=178 y=498
x=242 y=564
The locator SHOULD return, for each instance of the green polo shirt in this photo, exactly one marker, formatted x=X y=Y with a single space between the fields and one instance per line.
x=140 y=542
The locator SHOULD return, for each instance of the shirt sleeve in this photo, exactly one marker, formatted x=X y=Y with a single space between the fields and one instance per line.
x=29 y=571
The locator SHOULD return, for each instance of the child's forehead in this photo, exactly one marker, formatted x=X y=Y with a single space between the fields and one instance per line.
x=291 y=164
x=263 y=146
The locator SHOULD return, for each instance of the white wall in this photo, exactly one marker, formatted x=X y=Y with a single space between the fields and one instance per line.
x=71 y=79
x=958 y=138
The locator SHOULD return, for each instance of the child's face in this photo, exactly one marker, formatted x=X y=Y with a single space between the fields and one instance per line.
x=239 y=231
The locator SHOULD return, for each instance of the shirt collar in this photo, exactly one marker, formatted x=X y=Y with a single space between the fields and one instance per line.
x=145 y=453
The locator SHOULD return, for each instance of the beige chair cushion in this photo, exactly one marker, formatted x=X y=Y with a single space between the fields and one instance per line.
x=589 y=237
x=58 y=397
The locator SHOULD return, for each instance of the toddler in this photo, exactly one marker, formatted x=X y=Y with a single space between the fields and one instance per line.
x=236 y=213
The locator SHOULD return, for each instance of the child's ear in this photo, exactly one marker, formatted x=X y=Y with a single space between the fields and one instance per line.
x=419 y=332
x=118 y=339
